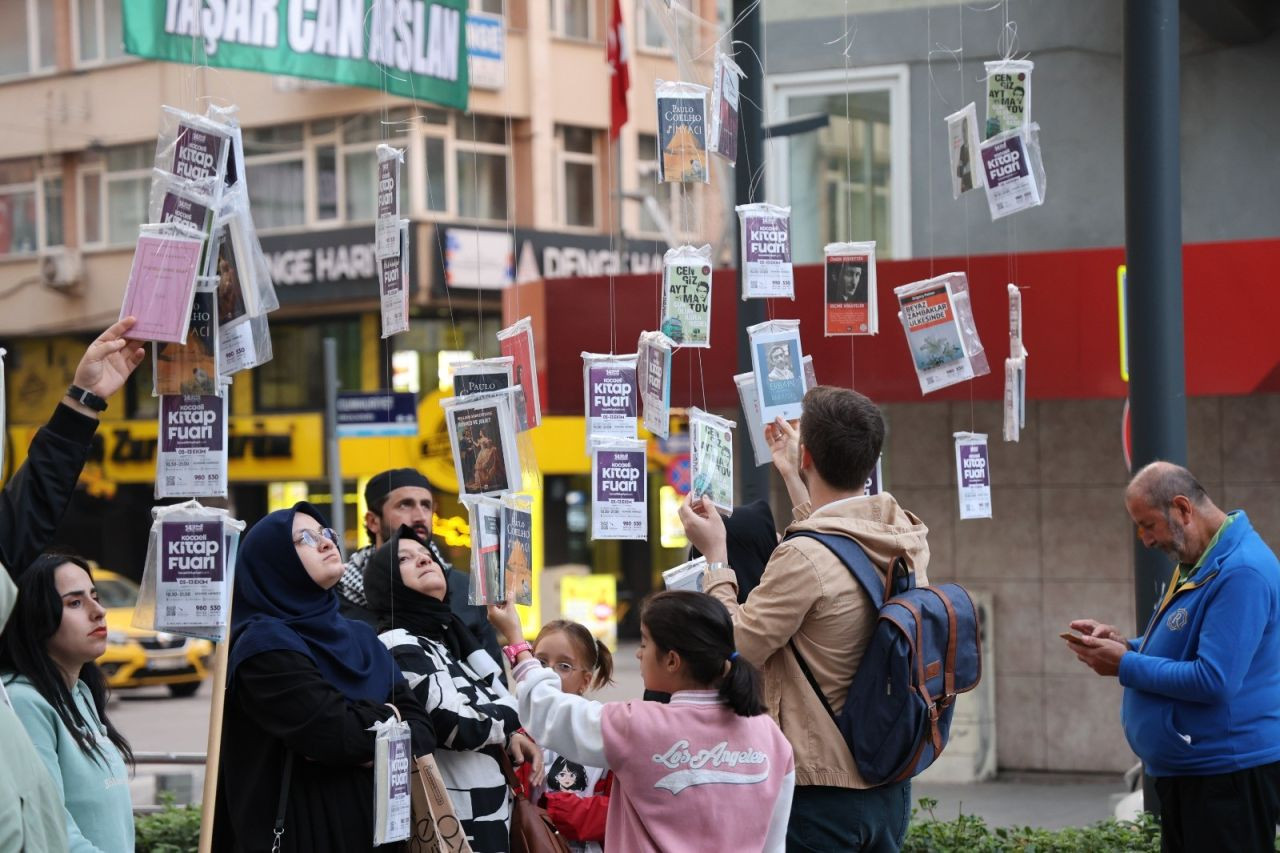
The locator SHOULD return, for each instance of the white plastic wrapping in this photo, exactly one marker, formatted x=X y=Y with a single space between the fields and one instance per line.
x=482 y=434
x=619 y=493
x=750 y=400
x=195 y=149
x=191 y=367
x=778 y=365
x=766 y=251
x=188 y=571
x=686 y=575
x=488 y=583
x=810 y=373
x=174 y=200
x=243 y=344
x=973 y=475
x=191 y=456
x=962 y=146
x=517 y=548
x=235 y=222
x=941 y=334
x=162 y=282
x=682 y=132
x=653 y=364
x=726 y=81
x=1014 y=171
x=386 y=229
x=1008 y=94
x=394 y=280
x=1015 y=371
x=609 y=396
x=481 y=375
x=850 y=276
x=686 y=295
x=392 y=762
x=711 y=439
x=516 y=342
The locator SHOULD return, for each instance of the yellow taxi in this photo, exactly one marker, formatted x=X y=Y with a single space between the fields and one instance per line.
x=138 y=658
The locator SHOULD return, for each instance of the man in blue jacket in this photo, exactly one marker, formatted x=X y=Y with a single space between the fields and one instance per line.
x=1202 y=685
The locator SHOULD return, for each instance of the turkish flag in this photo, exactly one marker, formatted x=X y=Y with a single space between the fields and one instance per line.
x=616 y=53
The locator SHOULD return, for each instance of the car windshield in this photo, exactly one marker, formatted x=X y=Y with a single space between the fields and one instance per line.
x=114 y=592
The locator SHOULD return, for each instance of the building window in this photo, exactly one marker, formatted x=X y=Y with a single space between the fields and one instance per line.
x=573 y=19
x=656 y=197
x=492 y=6
x=358 y=157
x=51 y=201
x=275 y=171
x=28 y=39
x=19 y=232
x=482 y=153
x=115 y=188
x=654 y=30
x=293 y=380
x=575 y=149
x=849 y=180
x=98 y=31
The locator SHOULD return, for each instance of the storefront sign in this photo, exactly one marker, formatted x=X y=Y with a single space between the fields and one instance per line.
x=482 y=258
x=415 y=49
x=338 y=265
x=376 y=413
x=486 y=49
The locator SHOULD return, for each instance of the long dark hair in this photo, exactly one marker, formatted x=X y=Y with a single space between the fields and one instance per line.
x=698 y=628
x=24 y=651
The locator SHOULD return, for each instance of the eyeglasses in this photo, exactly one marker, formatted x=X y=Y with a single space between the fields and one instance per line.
x=312 y=537
x=563 y=667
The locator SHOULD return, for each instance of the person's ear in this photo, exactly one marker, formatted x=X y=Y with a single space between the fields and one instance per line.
x=373 y=523
x=672 y=662
x=806 y=458
x=1184 y=509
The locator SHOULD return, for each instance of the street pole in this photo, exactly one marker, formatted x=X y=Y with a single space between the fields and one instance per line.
x=1153 y=250
x=753 y=482
x=333 y=461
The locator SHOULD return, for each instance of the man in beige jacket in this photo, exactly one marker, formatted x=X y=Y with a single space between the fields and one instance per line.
x=808 y=596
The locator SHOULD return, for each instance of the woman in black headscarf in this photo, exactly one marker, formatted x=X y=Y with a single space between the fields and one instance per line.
x=304 y=686
x=473 y=715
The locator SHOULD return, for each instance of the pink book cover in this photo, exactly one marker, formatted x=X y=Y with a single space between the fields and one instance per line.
x=161 y=286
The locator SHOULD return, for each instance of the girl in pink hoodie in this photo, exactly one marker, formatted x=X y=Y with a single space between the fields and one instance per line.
x=710 y=770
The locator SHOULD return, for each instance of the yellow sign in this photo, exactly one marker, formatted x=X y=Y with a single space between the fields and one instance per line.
x=672 y=530
x=1122 y=302
x=593 y=601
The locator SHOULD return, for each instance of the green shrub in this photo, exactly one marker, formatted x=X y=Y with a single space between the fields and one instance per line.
x=176 y=829
x=970 y=834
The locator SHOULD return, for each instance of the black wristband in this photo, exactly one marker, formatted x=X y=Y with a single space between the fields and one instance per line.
x=86 y=398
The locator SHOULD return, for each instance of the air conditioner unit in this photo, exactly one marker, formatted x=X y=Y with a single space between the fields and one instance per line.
x=60 y=269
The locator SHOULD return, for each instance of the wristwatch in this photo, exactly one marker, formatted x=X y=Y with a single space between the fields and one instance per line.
x=86 y=398
x=513 y=651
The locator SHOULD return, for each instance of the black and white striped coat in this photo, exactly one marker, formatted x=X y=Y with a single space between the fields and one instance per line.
x=473 y=715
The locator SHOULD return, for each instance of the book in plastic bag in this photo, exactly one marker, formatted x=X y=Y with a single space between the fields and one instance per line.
x=973 y=475
x=393 y=286
x=750 y=400
x=1008 y=94
x=941 y=334
x=686 y=575
x=482 y=435
x=191 y=367
x=609 y=396
x=162 y=284
x=686 y=295
x=653 y=363
x=191 y=460
x=517 y=548
x=850 y=276
x=711 y=439
x=620 y=499
x=488 y=581
x=1014 y=171
x=516 y=342
x=726 y=77
x=392 y=761
x=778 y=366
x=682 y=132
x=962 y=145
x=766 y=251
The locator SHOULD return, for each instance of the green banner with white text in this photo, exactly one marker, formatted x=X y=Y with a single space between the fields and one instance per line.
x=413 y=48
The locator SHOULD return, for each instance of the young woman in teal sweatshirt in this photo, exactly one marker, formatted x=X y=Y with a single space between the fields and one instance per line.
x=47 y=655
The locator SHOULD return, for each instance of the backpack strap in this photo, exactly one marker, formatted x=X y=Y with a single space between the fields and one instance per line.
x=813 y=682
x=849 y=552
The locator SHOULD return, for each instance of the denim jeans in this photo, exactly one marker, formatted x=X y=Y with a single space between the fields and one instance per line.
x=830 y=819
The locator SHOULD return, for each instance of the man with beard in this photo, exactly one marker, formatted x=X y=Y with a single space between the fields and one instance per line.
x=404 y=496
x=1202 y=684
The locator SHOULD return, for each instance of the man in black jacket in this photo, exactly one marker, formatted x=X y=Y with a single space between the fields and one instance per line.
x=405 y=496
x=31 y=506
